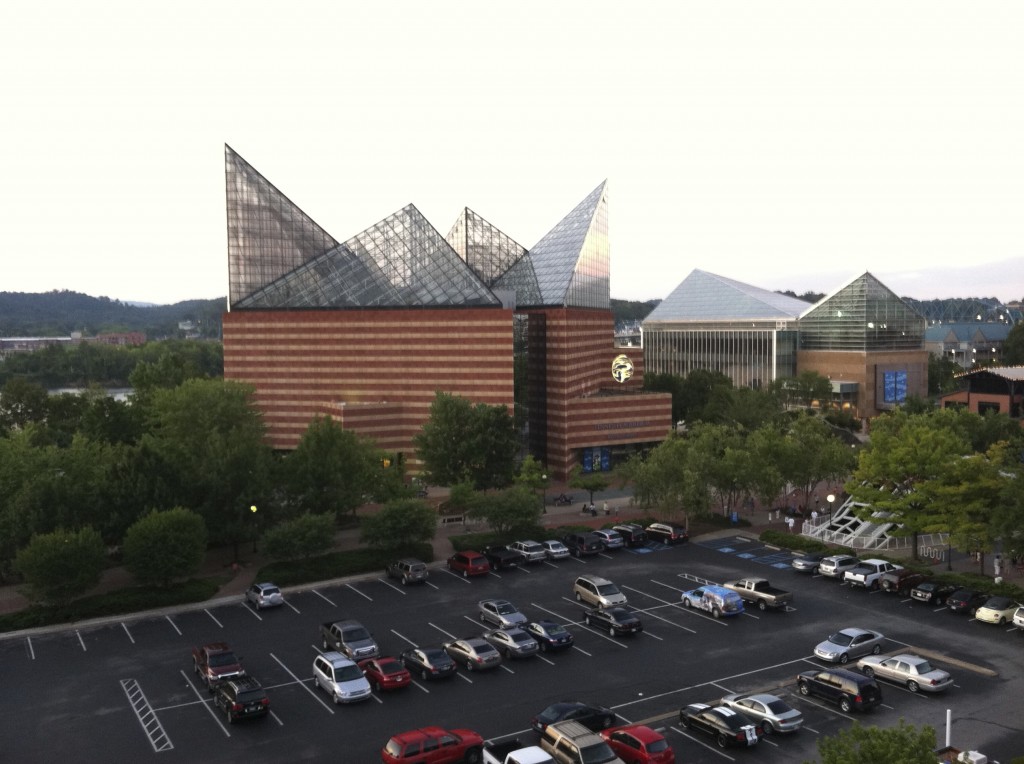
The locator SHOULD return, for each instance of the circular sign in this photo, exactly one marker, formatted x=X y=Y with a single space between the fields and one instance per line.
x=622 y=369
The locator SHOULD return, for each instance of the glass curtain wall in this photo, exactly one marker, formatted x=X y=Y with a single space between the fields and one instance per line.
x=749 y=357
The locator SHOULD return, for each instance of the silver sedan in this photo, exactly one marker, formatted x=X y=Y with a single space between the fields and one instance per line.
x=512 y=643
x=849 y=643
x=914 y=672
x=475 y=654
x=772 y=711
x=500 y=613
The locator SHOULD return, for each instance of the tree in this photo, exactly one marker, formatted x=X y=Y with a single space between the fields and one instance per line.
x=163 y=546
x=809 y=388
x=509 y=512
x=63 y=565
x=21 y=402
x=816 y=454
x=591 y=482
x=300 y=538
x=1013 y=346
x=399 y=524
x=461 y=442
x=859 y=744
x=942 y=371
x=669 y=479
x=533 y=475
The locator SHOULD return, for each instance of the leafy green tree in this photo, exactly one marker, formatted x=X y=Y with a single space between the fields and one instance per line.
x=816 y=454
x=534 y=476
x=718 y=453
x=1013 y=346
x=700 y=388
x=21 y=403
x=809 y=388
x=63 y=565
x=859 y=744
x=942 y=371
x=769 y=449
x=511 y=511
x=670 y=480
x=399 y=524
x=462 y=442
x=300 y=538
x=591 y=482
x=163 y=546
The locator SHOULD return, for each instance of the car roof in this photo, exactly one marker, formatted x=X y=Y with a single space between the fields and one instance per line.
x=337 y=659
x=641 y=732
x=853 y=631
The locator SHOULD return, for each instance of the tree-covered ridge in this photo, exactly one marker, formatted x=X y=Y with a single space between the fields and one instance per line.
x=59 y=313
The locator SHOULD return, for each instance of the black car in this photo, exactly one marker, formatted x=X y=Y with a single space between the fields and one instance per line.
x=617 y=620
x=428 y=662
x=240 y=698
x=932 y=592
x=502 y=558
x=726 y=726
x=848 y=689
x=667 y=533
x=966 y=601
x=592 y=717
x=550 y=635
x=583 y=544
x=632 y=533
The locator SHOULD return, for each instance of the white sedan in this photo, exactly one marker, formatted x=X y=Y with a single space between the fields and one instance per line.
x=849 y=643
x=555 y=550
x=910 y=670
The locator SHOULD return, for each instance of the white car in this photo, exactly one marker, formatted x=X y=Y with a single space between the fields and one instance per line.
x=264 y=595
x=836 y=565
x=1018 y=617
x=341 y=678
x=996 y=610
x=555 y=550
x=530 y=550
x=910 y=670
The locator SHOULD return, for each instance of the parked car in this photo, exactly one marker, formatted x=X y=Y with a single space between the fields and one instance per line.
x=726 y=726
x=555 y=550
x=966 y=601
x=531 y=551
x=808 y=563
x=717 y=600
x=847 y=689
x=241 y=698
x=597 y=592
x=570 y=742
x=385 y=673
x=633 y=534
x=617 y=620
x=550 y=635
x=912 y=671
x=340 y=678
x=500 y=613
x=264 y=595
x=835 y=565
x=476 y=654
x=501 y=557
x=590 y=716
x=350 y=638
x=901 y=580
x=610 y=538
x=216 y=663
x=428 y=662
x=868 y=573
x=849 y=643
x=639 y=744
x=433 y=745
x=997 y=610
x=772 y=711
x=760 y=592
x=408 y=570
x=583 y=544
x=469 y=564
x=932 y=592
x=667 y=533
x=1018 y=617
x=513 y=643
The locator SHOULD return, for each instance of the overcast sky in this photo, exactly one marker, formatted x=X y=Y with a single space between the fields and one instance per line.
x=789 y=145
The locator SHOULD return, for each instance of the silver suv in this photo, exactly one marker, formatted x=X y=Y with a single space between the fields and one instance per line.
x=598 y=592
x=572 y=743
x=837 y=565
x=409 y=570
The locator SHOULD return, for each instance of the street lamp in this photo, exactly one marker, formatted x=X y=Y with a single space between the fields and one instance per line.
x=830 y=499
x=543 y=488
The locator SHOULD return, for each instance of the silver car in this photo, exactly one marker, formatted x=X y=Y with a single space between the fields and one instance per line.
x=808 y=563
x=611 y=539
x=500 y=613
x=849 y=643
x=342 y=679
x=475 y=654
x=836 y=565
x=772 y=711
x=530 y=550
x=513 y=643
x=555 y=550
x=914 y=672
x=264 y=595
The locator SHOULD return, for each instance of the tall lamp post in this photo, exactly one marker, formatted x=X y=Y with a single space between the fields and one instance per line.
x=543 y=488
x=830 y=499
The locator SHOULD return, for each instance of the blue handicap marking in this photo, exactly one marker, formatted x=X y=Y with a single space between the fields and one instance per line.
x=746 y=555
x=782 y=565
x=640 y=550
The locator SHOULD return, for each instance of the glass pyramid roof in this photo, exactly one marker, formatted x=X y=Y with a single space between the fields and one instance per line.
x=705 y=297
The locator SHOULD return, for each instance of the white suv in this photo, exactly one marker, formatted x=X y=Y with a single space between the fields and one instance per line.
x=836 y=565
x=598 y=592
x=1018 y=617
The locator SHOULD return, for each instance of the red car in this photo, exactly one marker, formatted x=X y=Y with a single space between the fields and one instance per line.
x=385 y=673
x=469 y=564
x=637 y=744
x=433 y=745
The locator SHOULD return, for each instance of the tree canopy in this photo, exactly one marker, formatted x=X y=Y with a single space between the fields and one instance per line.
x=860 y=744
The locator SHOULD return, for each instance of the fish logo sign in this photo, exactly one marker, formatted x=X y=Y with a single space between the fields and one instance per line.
x=622 y=369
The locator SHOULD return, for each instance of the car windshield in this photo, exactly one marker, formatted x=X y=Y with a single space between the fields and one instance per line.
x=268 y=590
x=550 y=714
x=657 y=746
x=520 y=637
x=348 y=673
x=222 y=659
x=777 y=707
x=533 y=547
x=252 y=696
x=505 y=608
x=554 y=630
x=355 y=635
x=596 y=754
x=607 y=589
x=841 y=638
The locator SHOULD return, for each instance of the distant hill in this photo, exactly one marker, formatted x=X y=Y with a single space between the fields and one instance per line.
x=59 y=313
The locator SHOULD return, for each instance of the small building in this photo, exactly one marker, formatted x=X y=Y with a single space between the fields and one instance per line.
x=996 y=389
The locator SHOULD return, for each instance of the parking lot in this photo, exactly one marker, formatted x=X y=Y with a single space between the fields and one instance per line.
x=125 y=690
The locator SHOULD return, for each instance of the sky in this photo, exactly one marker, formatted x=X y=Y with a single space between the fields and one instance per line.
x=788 y=145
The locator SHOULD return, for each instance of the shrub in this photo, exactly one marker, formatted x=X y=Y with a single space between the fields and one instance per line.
x=305 y=536
x=162 y=546
x=62 y=565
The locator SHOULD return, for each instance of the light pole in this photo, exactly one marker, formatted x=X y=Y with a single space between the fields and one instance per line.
x=255 y=527
x=830 y=499
x=543 y=488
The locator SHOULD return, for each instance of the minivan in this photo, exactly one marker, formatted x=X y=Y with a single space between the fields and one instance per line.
x=848 y=689
x=572 y=743
x=597 y=592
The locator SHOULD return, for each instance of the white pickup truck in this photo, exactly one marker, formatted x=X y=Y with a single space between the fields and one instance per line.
x=514 y=752
x=868 y=572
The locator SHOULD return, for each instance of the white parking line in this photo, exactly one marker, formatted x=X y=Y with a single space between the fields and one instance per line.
x=302 y=684
x=391 y=586
x=464 y=678
x=551 y=564
x=434 y=586
x=205 y=703
x=463 y=579
x=318 y=594
x=31 y=651
x=292 y=607
x=367 y=596
x=688 y=736
x=213 y=618
x=173 y=624
x=507 y=669
x=125 y=627
x=402 y=636
x=541 y=657
x=450 y=636
x=277 y=719
x=664 y=602
x=580 y=649
x=252 y=610
x=417 y=684
x=80 y=640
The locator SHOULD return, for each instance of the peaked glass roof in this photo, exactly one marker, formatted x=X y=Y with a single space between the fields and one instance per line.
x=703 y=297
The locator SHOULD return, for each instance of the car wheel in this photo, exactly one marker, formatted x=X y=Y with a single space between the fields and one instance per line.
x=473 y=756
x=1001 y=621
x=230 y=718
x=805 y=689
x=336 y=697
x=423 y=675
x=815 y=571
x=326 y=646
x=868 y=671
x=686 y=603
x=465 y=573
x=482 y=619
x=543 y=647
x=973 y=612
x=845 y=705
x=876 y=649
x=912 y=686
x=716 y=613
x=762 y=605
x=469 y=665
x=768 y=728
x=611 y=631
x=195 y=667
x=607 y=722
x=844 y=658
x=586 y=619
x=579 y=597
x=684 y=721
x=721 y=740
x=405 y=580
x=376 y=686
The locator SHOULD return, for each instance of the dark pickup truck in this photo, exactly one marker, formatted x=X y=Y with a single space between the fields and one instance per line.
x=901 y=580
x=501 y=557
x=215 y=664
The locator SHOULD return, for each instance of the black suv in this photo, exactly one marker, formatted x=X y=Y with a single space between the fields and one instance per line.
x=583 y=544
x=632 y=534
x=240 y=698
x=850 y=690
